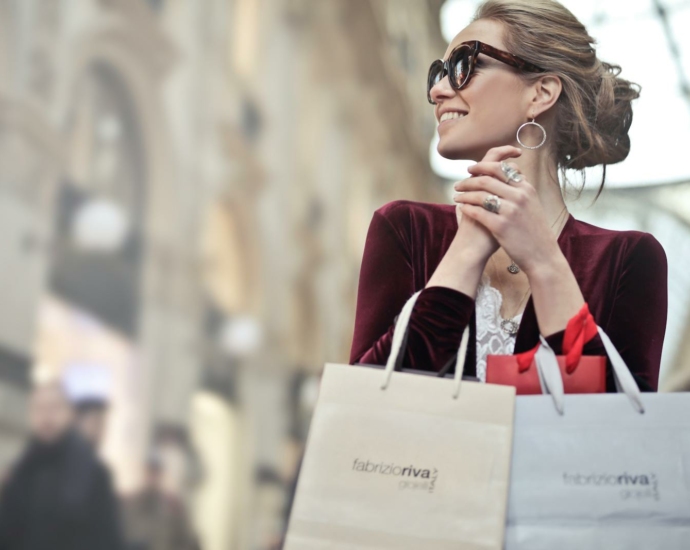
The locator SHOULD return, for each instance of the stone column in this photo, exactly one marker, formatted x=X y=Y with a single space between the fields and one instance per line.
x=29 y=167
x=30 y=163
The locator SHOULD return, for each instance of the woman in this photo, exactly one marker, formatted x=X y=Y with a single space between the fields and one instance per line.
x=525 y=84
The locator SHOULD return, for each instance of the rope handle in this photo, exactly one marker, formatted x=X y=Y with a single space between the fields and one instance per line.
x=399 y=341
x=581 y=329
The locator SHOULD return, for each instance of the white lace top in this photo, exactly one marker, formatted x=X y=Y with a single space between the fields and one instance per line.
x=491 y=338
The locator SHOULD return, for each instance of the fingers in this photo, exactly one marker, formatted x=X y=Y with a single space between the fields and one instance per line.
x=497 y=154
x=477 y=198
x=480 y=214
x=488 y=184
x=471 y=197
x=493 y=169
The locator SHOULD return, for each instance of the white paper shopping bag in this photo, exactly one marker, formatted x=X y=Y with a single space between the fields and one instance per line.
x=601 y=471
x=402 y=461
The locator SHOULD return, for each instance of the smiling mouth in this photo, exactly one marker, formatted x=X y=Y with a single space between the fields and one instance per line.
x=451 y=115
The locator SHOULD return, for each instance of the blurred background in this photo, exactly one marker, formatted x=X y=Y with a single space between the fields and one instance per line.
x=185 y=190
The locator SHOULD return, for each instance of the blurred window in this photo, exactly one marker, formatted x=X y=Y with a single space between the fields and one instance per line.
x=107 y=162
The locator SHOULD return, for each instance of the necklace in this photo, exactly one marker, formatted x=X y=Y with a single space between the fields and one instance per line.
x=513 y=268
x=509 y=325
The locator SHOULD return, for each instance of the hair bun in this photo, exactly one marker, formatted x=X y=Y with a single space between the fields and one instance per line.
x=593 y=112
x=612 y=118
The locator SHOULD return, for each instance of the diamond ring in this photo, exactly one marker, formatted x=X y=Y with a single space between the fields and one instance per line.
x=511 y=174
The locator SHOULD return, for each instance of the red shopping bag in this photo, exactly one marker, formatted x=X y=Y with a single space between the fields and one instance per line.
x=581 y=374
x=589 y=375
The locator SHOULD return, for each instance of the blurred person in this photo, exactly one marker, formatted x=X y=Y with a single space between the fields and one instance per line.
x=92 y=419
x=88 y=387
x=522 y=81
x=58 y=496
x=154 y=518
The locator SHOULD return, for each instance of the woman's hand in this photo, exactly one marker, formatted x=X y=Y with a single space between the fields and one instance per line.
x=520 y=226
x=523 y=230
x=470 y=229
x=463 y=263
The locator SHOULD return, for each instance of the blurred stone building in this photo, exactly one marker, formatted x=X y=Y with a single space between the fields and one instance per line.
x=185 y=189
x=99 y=222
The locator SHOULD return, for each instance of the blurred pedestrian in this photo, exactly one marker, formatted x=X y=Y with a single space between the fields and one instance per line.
x=58 y=496
x=91 y=420
x=155 y=519
x=89 y=388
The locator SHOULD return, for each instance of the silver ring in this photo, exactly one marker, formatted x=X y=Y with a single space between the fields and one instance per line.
x=511 y=173
x=492 y=203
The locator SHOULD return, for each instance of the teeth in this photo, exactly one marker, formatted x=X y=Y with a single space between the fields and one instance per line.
x=451 y=115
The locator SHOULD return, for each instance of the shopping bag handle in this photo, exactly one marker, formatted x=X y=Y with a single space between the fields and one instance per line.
x=552 y=382
x=399 y=341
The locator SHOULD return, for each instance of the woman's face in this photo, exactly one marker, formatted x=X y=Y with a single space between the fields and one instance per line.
x=495 y=101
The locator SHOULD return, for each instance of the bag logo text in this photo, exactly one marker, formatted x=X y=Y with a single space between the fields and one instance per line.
x=414 y=478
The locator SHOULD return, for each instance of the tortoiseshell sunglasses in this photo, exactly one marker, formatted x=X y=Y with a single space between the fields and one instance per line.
x=461 y=62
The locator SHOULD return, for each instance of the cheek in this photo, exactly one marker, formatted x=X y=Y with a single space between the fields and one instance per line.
x=495 y=115
x=496 y=110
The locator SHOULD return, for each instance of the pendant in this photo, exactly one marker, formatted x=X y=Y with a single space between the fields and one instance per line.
x=510 y=326
x=513 y=268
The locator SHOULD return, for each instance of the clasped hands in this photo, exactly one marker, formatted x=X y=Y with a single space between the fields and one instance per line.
x=520 y=226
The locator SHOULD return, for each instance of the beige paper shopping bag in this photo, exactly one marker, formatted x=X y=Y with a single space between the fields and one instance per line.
x=402 y=461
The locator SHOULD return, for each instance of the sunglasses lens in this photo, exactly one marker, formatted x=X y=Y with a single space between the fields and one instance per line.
x=435 y=76
x=460 y=66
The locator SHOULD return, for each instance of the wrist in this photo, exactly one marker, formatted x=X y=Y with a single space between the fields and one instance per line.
x=548 y=271
x=469 y=253
x=461 y=269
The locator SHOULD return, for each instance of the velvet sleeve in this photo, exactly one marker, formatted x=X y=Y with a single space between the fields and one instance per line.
x=386 y=282
x=638 y=318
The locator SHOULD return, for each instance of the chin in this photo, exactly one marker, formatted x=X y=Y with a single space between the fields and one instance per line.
x=457 y=153
x=468 y=145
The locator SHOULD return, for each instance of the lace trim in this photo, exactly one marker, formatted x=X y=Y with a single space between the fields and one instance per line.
x=491 y=338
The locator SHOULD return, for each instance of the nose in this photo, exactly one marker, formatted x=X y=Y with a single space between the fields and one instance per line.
x=442 y=90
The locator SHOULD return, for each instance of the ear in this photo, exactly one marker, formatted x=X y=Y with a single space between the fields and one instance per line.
x=546 y=92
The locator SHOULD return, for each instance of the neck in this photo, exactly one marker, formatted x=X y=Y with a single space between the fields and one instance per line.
x=541 y=171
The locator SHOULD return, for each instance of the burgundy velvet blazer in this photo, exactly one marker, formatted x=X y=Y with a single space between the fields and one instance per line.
x=622 y=276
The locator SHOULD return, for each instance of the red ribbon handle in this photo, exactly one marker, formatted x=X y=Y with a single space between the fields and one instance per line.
x=581 y=328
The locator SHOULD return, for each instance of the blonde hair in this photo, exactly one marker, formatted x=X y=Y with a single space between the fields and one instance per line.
x=594 y=110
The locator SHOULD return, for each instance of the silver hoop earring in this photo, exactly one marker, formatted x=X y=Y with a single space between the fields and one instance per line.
x=531 y=123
